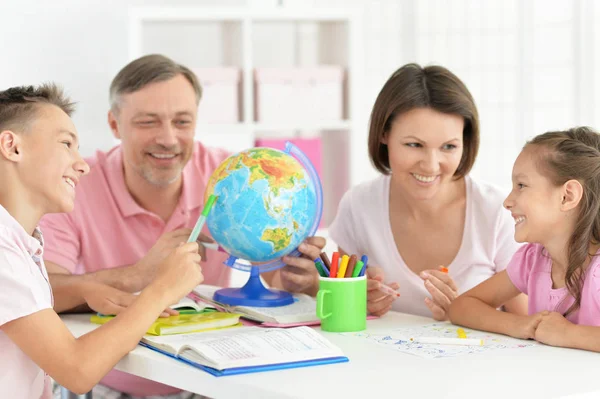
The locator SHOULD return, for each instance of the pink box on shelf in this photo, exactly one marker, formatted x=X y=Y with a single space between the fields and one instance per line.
x=299 y=94
x=220 y=102
x=311 y=147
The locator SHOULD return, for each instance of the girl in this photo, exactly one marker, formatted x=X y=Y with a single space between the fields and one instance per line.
x=425 y=210
x=555 y=203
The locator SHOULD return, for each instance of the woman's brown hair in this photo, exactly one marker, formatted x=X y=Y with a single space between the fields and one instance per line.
x=574 y=154
x=413 y=86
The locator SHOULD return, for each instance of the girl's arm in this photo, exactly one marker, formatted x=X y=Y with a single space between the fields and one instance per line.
x=79 y=363
x=585 y=337
x=518 y=305
x=477 y=308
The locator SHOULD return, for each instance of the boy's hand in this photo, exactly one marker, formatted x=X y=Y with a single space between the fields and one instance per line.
x=149 y=264
x=443 y=291
x=553 y=329
x=107 y=300
x=179 y=273
x=378 y=303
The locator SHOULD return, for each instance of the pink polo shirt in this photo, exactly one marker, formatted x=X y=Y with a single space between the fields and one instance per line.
x=109 y=229
x=25 y=290
x=529 y=270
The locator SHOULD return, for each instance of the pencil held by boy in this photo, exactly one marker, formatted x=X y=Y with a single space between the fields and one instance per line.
x=40 y=166
x=555 y=202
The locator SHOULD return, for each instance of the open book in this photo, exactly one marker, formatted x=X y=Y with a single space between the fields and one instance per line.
x=302 y=311
x=248 y=349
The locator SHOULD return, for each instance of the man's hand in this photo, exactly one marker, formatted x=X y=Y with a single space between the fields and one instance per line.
x=148 y=265
x=300 y=273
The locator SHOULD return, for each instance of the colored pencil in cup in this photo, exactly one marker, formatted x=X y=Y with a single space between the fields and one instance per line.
x=351 y=265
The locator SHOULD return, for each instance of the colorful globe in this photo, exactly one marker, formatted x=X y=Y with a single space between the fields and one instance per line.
x=266 y=204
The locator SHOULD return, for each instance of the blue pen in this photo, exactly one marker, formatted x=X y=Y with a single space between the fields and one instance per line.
x=323 y=271
x=364 y=259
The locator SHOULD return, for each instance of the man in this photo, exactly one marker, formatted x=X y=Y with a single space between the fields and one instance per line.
x=143 y=197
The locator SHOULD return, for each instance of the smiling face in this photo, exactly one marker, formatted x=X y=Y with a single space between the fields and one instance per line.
x=534 y=202
x=425 y=148
x=156 y=125
x=51 y=166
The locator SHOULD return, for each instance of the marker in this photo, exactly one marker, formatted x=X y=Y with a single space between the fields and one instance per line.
x=461 y=333
x=448 y=341
x=325 y=260
x=386 y=289
x=444 y=269
x=357 y=269
x=334 y=265
x=343 y=266
x=351 y=265
x=202 y=218
x=323 y=271
x=365 y=260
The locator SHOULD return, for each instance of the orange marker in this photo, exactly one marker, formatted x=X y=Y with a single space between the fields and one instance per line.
x=351 y=265
x=333 y=271
x=444 y=269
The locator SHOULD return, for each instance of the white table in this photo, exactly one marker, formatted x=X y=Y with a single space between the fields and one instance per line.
x=377 y=371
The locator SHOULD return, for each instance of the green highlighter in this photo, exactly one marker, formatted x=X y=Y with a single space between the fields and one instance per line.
x=202 y=218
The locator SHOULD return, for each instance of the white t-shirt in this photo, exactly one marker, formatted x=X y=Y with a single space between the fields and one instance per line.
x=362 y=226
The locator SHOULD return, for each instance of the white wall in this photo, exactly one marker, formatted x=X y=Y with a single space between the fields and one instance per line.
x=532 y=65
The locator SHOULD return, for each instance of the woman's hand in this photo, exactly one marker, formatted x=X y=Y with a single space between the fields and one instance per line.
x=443 y=291
x=378 y=302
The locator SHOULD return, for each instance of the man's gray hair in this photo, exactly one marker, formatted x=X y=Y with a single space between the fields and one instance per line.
x=149 y=69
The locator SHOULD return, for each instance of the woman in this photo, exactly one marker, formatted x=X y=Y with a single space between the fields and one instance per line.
x=430 y=228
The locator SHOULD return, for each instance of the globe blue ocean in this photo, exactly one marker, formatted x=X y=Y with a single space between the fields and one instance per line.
x=265 y=207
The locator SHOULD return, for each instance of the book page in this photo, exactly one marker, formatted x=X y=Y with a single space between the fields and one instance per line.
x=254 y=346
x=304 y=309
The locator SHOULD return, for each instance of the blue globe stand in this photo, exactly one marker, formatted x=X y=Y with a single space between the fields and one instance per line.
x=254 y=293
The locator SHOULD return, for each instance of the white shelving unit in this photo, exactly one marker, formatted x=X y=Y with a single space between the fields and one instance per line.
x=243 y=37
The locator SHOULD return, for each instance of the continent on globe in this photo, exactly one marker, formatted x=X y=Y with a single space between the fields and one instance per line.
x=266 y=204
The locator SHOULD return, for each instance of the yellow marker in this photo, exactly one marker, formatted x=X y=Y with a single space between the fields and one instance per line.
x=461 y=333
x=343 y=266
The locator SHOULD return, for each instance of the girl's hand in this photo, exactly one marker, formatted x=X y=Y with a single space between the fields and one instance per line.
x=525 y=327
x=553 y=329
x=378 y=303
x=443 y=291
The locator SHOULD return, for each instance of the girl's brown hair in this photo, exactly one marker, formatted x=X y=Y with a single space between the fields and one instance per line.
x=575 y=155
x=413 y=86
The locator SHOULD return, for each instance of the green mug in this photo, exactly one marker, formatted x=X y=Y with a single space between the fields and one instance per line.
x=342 y=304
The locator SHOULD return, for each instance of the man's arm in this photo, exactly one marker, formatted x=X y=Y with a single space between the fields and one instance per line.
x=125 y=278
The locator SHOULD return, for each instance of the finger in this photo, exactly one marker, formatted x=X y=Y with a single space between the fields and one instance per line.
x=123 y=299
x=381 y=312
x=201 y=250
x=191 y=247
x=377 y=295
x=205 y=238
x=169 y=312
x=437 y=296
x=300 y=281
x=436 y=312
x=311 y=251
x=316 y=241
x=109 y=307
x=443 y=287
x=373 y=285
x=180 y=233
x=440 y=276
x=379 y=306
x=306 y=265
x=375 y=273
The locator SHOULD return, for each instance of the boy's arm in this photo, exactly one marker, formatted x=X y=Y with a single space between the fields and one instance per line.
x=78 y=364
x=477 y=308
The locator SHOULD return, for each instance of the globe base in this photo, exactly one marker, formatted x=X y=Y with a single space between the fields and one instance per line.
x=254 y=293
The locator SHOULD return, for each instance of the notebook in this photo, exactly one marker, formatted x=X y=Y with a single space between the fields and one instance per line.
x=185 y=323
x=248 y=349
x=186 y=304
x=302 y=311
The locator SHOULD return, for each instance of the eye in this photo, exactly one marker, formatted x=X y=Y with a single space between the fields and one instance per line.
x=67 y=143
x=449 y=147
x=145 y=123
x=182 y=122
x=413 y=145
x=521 y=186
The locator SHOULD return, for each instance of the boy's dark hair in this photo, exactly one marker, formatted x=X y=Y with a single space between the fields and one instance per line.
x=145 y=70
x=413 y=86
x=574 y=154
x=19 y=104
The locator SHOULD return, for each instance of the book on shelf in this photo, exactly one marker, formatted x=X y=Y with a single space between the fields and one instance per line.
x=184 y=323
x=248 y=349
x=303 y=311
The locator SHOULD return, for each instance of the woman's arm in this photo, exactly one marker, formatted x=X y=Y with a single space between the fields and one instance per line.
x=477 y=308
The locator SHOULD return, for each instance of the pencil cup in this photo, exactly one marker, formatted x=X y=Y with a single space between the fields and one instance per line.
x=342 y=304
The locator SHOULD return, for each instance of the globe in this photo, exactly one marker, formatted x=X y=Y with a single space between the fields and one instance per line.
x=267 y=204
